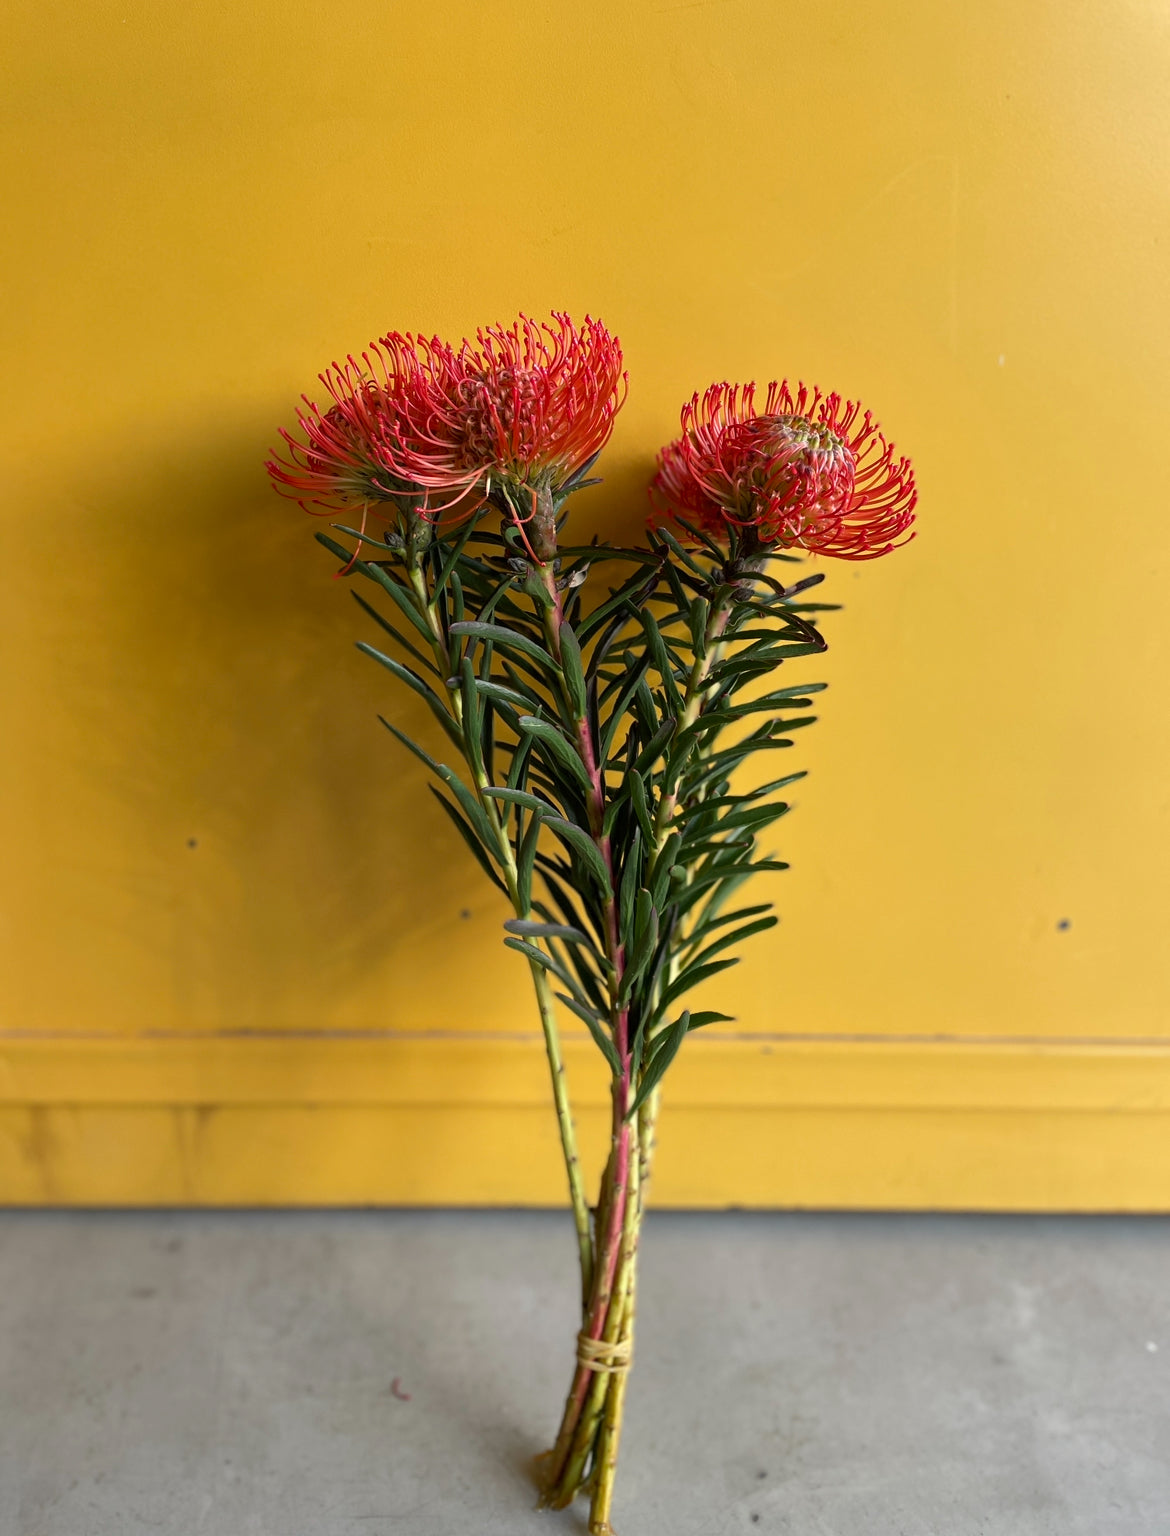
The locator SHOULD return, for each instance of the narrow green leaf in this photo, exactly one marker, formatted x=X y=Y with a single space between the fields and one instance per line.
x=472 y=716
x=653 y=748
x=526 y=859
x=617 y=714
x=691 y=977
x=734 y=937
x=538 y=956
x=663 y=1049
x=470 y=807
x=420 y=686
x=643 y=946
x=697 y=617
x=708 y=1016
x=564 y=751
x=580 y=841
x=530 y=930
x=508 y=639
x=631 y=882
x=641 y=808
x=597 y=1030
x=706 y=923
x=401 y=595
x=392 y=630
x=366 y=538
x=518 y=771
x=573 y=671
x=501 y=695
x=454 y=553
x=469 y=838
x=662 y=659
x=518 y=797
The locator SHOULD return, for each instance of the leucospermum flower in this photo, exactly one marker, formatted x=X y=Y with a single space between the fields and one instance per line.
x=527 y=406
x=514 y=414
x=345 y=454
x=804 y=470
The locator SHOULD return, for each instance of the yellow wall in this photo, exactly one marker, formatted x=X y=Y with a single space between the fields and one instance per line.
x=958 y=212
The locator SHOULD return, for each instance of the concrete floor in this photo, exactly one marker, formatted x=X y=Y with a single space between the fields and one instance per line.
x=362 y=1374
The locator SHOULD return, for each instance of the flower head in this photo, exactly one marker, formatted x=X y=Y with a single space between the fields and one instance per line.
x=528 y=405
x=808 y=470
x=347 y=458
x=437 y=429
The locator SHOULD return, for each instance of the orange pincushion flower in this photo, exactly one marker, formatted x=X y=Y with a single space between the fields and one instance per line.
x=525 y=407
x=808 y=471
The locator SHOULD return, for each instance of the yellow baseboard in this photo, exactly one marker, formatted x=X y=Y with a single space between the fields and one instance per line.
x=459 y=1120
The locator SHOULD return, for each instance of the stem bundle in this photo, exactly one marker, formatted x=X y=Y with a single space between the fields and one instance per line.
x=593 y=760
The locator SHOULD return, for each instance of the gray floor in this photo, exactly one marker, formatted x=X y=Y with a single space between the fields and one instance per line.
x=361 y=1374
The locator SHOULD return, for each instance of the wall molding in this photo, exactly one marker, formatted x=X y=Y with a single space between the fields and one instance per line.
x=754 y=1121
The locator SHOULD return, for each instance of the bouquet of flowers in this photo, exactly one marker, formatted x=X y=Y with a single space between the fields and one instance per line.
x=599 y=704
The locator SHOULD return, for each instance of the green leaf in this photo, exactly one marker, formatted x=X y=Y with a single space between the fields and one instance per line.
x=641 y=808
x=563 y=751
x=597 y=1030
x=691 y=977
x=653 y=748
x=470 y=807
x=508 y=639
x=402 y=596
x=456 y=550
x=662 y=867
x=472 y=717
x=420 y=686
x=662 y=661
x=526 y=859
x=727 y=939
x=366 y=538
x=617 y=714
x=517 y=773
x=697 y=618
x=573 y=671
x=501 y=695
x=643 y=946
x=757 y=817
x=469 y=838
x=616 y=601
x=530 y=930
x=519 y=797
x=709 y=1016
x=680 y=553
x=710 y=920
x=391 y=630
x=631 y=882
x=537 y=956
x=663 y=1049
x=583 y=844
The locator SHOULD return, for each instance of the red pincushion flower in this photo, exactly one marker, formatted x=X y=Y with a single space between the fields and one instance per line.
x=349 y=456
x=809 y=471
x=525 y=407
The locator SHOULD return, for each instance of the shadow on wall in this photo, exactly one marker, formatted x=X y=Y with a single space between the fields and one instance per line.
x=241 y=846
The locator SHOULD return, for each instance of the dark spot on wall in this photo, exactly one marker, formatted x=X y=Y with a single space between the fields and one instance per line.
x=1063 y=925
x=192 y=842
x=465 y=914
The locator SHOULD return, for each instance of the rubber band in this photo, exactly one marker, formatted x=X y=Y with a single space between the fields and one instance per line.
x=600 y=1355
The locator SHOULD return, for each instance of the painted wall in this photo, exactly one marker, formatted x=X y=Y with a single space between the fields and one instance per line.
x=961 y=214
